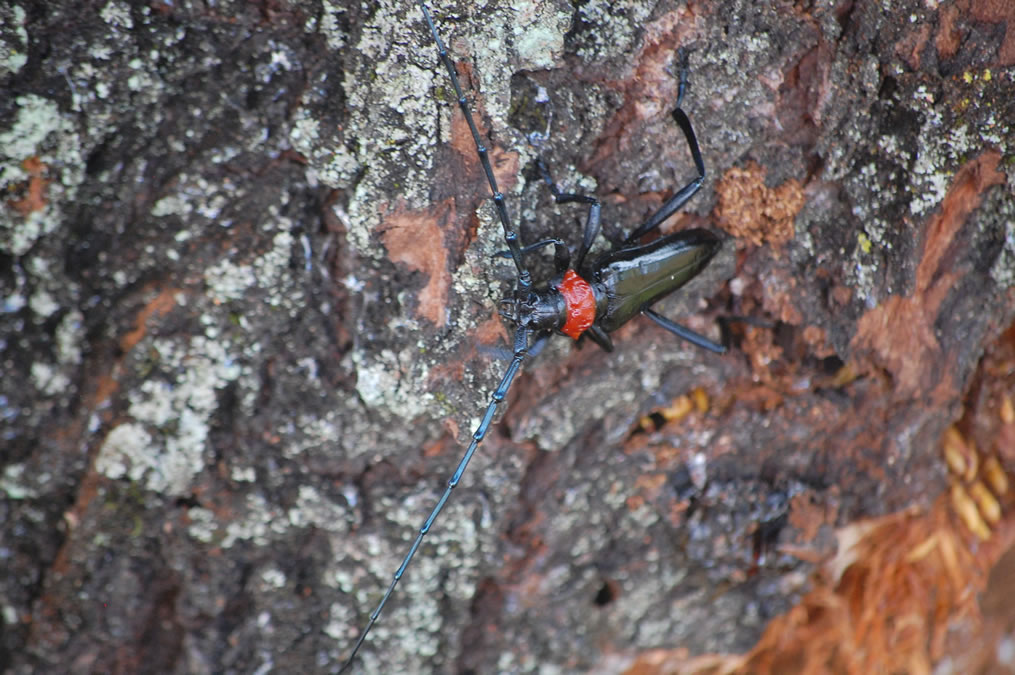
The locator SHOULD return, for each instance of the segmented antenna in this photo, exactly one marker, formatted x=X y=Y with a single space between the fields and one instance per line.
x=510 y=236
x=521 y=341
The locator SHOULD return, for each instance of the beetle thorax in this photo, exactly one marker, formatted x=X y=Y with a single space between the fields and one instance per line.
x=540 y=309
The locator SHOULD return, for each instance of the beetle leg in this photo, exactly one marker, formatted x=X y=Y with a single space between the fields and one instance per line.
x=528 y=249
x=592 y=223
x=539 y=343
x=682 y=332
x=686 y=192
x=600 y=337
x=561 y=257
x=561 y=253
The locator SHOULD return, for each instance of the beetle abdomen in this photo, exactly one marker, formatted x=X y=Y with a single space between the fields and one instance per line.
x=634 y=278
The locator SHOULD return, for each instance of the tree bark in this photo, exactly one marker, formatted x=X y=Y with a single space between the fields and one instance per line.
x=250 y=321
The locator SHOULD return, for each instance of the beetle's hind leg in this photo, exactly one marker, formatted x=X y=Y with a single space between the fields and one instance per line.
x=684 y=194
x=696 y=339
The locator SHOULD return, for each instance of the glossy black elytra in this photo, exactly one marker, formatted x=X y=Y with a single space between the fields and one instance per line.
x=582 y=299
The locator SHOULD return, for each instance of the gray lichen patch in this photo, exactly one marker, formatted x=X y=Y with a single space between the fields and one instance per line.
x=1002 y=208
x=448 y=563
x=912 y=166
x=194 y=195
x=268 y=272
x=261 y=522
x=13 y=39
x=180 y=409
x=539 y=34
x=614 y=27
x=39 y=134
x=378 y=381
x=13 y=484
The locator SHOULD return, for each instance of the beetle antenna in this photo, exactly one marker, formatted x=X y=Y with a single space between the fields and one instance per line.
x=524 y=278
x=521 y=347
x=521 y=340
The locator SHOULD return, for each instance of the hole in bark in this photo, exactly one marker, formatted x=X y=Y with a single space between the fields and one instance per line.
x=606 y=594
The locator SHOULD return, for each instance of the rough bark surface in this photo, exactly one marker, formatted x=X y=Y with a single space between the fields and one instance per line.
x=250 y=321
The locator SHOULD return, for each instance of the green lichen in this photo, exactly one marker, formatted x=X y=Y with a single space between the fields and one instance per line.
x=865 y=243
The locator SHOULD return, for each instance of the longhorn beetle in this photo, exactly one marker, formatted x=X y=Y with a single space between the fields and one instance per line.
x=580 y=299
